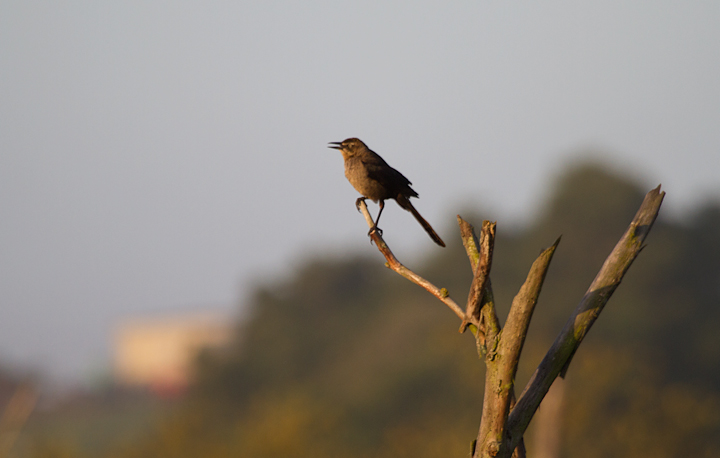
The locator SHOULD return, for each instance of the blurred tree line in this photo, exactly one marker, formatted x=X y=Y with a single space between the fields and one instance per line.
x=347 y=359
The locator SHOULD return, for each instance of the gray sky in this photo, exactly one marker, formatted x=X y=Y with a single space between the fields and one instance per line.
x=159 y=156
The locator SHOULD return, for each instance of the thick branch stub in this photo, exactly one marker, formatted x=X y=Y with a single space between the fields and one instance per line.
x=522 y=308
x=488 y=325
x=607 y=280
x=481 y=275
x=500 y=376
x=470 y=241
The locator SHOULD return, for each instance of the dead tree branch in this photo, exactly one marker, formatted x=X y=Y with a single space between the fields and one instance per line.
x=558 y=358
x=504 y=421
x=481 y=272
x=397 y=266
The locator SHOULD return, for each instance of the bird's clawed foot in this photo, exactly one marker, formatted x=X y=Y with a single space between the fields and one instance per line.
x=375 y=228
x=357 y=202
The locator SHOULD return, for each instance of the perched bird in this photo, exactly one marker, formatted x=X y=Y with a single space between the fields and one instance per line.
x=372 y=177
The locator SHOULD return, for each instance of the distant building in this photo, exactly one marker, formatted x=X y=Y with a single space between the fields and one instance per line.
x=158 y=352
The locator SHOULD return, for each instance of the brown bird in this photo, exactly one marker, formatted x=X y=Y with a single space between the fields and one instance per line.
x=372 y=177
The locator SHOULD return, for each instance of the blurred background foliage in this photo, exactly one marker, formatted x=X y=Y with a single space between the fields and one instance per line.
x=347 y=359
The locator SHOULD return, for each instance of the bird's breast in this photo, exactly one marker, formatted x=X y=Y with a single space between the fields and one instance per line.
x=357 y=175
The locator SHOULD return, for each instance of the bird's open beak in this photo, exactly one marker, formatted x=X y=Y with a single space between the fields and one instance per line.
x=335 y=145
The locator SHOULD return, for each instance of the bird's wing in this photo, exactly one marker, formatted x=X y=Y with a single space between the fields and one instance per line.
x=379 y=170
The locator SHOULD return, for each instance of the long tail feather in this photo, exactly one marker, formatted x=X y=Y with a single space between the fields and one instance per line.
x=404 y=202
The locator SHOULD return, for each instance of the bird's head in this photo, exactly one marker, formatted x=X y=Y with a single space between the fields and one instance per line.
x=348 y=147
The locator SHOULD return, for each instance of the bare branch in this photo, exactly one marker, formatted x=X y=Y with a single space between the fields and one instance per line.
x=503 y=420
x=480 y=277
x=521 y=311
x=397 y=266
x=500 y=375
x=607 y=280
x=489 y=325
x=470 y=241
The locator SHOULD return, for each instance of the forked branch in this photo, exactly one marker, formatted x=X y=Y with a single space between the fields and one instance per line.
x=503 y=420
x=558 y=358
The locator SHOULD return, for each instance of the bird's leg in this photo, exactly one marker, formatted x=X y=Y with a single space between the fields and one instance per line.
x=382 y=205
x=375 y=225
